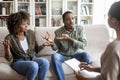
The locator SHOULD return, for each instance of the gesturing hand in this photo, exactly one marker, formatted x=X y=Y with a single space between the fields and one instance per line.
x=1 y=41
x=6 y=43
x=49 y=41
x=64 y=36
x=48 y=37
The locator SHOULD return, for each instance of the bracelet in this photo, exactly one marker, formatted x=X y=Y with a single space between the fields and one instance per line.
x=8 y=57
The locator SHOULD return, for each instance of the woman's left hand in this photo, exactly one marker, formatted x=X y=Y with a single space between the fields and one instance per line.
x=49 y=43
x=48 y=37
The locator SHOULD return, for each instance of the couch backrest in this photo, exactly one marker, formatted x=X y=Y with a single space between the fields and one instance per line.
x=97 y=38
x=3 y=33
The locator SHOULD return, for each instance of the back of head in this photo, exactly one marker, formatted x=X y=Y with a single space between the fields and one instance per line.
x=114 y=10
x=15 y=20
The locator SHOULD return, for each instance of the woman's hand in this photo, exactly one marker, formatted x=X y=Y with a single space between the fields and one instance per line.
x=1 y=41
x=49 y=43
x=48 y=37
x=84 y=65
x=79 y=76
x=6 y=44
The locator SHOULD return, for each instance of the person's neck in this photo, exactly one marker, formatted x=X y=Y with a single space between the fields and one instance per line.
x=69 y=29
x=21 y=36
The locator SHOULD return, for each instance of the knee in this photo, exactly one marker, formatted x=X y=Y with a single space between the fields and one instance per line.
x=55 y=56
x=33 y=66
x=87 y=56
x=45 y=63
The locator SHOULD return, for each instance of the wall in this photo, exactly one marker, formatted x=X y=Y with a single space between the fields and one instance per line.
x=98 y=12
x=101 y=8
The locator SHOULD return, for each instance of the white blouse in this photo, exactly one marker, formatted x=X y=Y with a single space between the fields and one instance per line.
x=24 y=44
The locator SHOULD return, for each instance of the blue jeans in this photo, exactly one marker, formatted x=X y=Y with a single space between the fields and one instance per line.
x=58 y=59
x=32 y=68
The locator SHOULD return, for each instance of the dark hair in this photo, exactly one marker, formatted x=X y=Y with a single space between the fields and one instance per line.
x=64 y=15
x=114 y=10
x=15 y=20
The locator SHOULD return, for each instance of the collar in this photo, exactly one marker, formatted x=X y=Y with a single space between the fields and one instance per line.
x=74 y=29
x=24 y=33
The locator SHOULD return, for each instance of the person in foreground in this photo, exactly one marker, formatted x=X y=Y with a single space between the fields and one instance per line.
x=110 y=59
x=21 y=48
x=69 y=40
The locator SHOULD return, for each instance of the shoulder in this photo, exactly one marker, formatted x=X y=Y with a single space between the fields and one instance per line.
x=114 y=44
x=59 y=29
x=114 y=47
x=30 y=32
x=79 y=27
x=8 y=36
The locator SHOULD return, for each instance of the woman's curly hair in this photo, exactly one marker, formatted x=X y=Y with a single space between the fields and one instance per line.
x=15 y=20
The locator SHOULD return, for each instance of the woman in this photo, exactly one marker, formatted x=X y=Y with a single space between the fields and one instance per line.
x=21 y=48
x=110 y=60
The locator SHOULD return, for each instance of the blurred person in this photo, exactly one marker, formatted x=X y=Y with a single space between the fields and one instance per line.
x=110 y=59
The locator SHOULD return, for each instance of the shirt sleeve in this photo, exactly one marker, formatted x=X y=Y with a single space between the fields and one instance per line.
x=81 y=41
x=8 y=57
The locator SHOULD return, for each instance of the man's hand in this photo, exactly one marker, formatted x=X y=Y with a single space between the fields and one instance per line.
x=64 y=36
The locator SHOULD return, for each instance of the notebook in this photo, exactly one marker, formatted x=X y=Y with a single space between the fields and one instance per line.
x=74 y=64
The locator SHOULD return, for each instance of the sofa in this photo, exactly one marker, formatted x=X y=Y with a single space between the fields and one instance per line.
x=97 y=38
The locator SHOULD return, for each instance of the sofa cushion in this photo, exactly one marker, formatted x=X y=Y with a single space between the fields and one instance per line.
x=7 y=73
x=3 y=60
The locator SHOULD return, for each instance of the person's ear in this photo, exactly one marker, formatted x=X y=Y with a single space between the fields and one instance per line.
x=114 y=20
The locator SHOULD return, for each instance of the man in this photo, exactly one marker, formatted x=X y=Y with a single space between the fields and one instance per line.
x=69 y=39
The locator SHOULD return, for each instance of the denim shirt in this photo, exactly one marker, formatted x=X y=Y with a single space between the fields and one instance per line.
x=66 y=47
